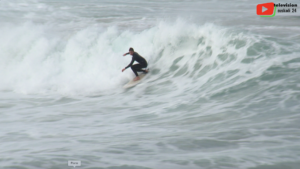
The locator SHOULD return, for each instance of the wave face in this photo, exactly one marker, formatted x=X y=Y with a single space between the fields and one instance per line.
x=182 y=56
x=222 y=92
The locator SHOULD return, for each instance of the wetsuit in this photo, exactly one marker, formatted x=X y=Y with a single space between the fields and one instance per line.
x=137 y=67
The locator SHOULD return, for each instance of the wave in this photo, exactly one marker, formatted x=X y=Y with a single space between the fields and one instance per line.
x=182 y=56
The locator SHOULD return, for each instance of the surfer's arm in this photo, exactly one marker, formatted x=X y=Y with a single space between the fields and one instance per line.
x=126 y=54
x=130 y=64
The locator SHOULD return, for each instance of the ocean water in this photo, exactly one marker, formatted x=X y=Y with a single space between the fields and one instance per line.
x=223 y=90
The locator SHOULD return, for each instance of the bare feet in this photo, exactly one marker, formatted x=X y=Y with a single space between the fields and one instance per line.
x=137 y=78
x=146 y=70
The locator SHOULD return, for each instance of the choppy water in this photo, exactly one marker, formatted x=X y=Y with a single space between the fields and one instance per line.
x=223 y=91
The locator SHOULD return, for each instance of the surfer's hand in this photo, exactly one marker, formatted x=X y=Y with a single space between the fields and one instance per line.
x=123 y=70
x=125 y=54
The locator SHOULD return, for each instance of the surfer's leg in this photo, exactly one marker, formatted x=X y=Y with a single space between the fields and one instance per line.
x=134 y=68
x=138 y=68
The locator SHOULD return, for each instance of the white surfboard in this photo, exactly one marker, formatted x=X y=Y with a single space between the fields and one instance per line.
x=133 y=83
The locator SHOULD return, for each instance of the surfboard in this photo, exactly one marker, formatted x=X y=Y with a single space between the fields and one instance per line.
x=133 y=83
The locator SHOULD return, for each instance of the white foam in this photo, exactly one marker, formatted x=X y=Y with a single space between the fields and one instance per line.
x=37 y=59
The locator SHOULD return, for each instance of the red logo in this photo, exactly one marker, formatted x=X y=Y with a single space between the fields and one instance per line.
x=265 y=9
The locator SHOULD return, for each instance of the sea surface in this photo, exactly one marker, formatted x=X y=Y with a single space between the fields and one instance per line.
x=223 y=91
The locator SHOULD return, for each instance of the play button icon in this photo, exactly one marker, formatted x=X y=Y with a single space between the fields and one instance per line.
x=265 y=9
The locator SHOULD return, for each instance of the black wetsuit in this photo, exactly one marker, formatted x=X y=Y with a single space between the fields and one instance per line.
x=137 y=67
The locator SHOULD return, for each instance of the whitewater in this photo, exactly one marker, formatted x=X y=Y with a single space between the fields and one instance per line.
x=223 y=91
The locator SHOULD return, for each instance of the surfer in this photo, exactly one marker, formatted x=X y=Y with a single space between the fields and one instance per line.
x=142 y=63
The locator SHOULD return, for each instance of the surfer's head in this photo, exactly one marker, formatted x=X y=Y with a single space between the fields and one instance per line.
x=131 y=51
